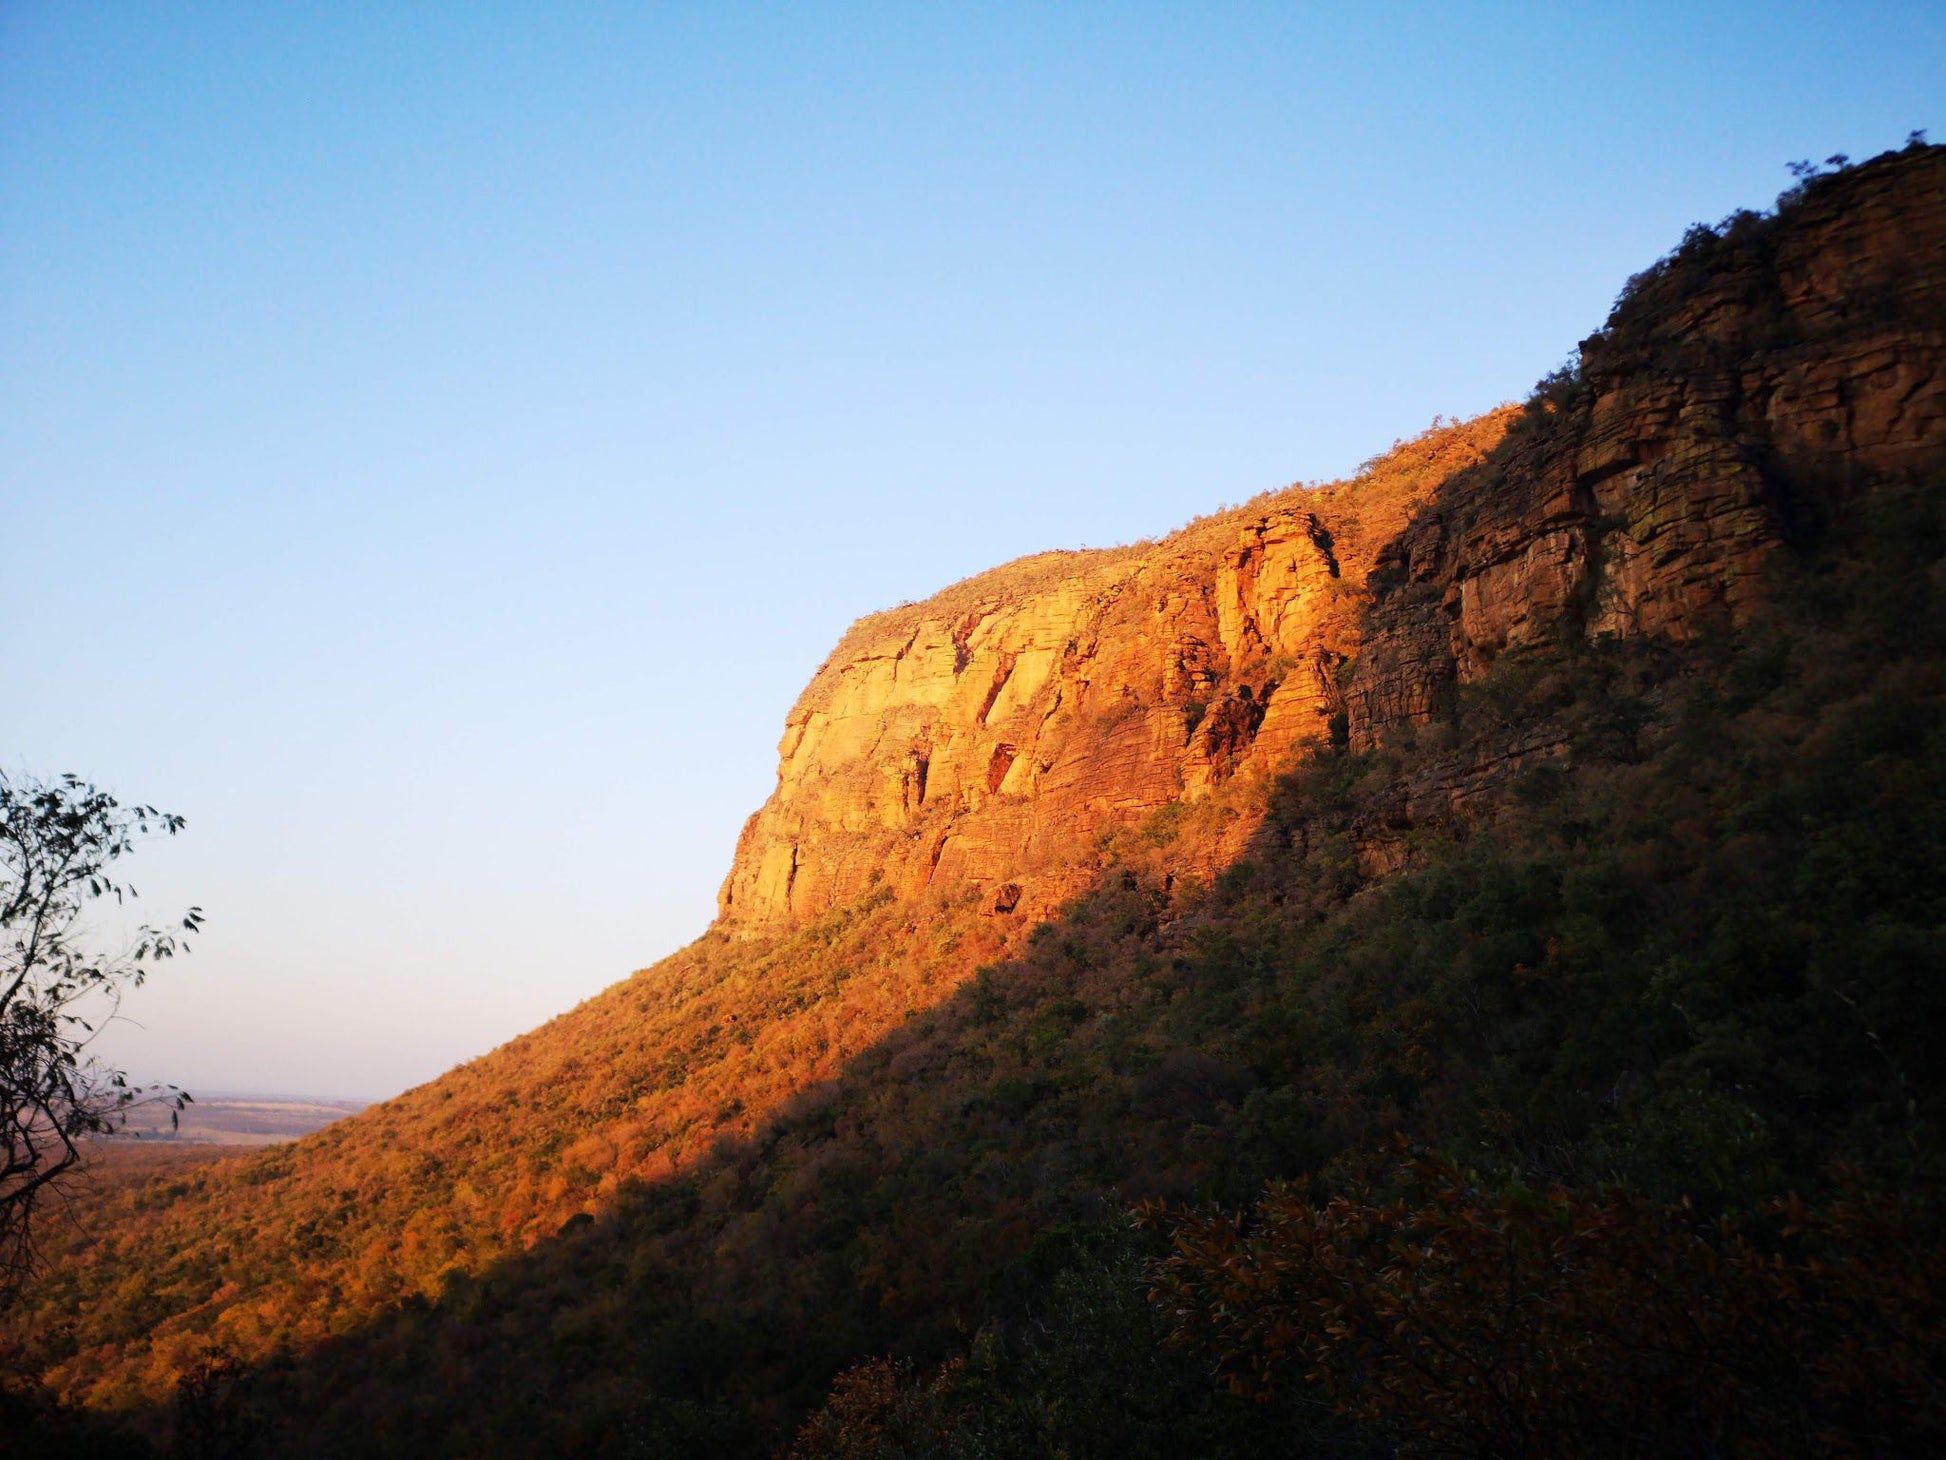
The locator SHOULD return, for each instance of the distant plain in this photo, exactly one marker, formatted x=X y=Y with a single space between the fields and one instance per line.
x=229 y=1120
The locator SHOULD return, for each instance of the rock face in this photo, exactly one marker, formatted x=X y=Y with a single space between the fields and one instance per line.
x=989 y=736
x=1744 y=388
x=985 y=735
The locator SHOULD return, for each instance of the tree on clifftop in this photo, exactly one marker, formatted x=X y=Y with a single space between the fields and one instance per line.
x=60 y=842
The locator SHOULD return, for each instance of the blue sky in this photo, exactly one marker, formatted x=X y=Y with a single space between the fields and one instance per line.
x=440 y=440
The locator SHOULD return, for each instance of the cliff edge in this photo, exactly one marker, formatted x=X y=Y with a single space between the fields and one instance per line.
x=988 y=735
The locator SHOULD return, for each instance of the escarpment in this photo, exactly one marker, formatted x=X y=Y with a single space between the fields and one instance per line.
x=989 y=735
x=1743 y=386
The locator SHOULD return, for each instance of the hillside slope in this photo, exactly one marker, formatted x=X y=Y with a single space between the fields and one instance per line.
x=863 y=1110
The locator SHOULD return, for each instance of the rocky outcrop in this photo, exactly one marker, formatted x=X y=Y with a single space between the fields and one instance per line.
x=1745 y=388
x=986 y=739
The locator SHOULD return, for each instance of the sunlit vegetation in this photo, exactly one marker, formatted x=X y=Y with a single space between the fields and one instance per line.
x=401 y=1205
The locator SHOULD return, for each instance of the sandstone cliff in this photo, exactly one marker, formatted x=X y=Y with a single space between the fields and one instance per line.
x=988 y=737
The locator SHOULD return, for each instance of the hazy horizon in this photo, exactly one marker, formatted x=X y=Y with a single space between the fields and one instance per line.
x=443 y=442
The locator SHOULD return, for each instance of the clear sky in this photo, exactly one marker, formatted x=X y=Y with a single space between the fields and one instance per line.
x=437 y=442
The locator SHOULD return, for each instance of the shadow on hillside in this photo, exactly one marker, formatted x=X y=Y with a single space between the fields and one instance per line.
x=936 y=1181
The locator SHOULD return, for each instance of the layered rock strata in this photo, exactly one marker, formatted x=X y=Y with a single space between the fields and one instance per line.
x=1745 y=388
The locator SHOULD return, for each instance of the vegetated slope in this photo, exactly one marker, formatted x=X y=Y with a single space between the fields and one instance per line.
x=1615 y=852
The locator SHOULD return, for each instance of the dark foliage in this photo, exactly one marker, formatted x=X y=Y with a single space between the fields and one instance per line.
x=1462 y=1320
